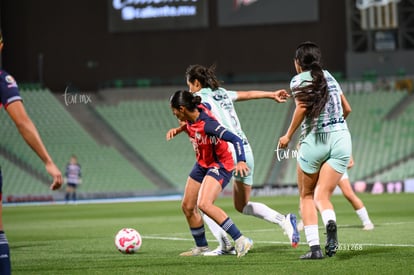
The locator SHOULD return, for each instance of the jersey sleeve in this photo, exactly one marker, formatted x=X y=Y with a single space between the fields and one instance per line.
x=232 y=95
x=213 y=128
x=9 y=92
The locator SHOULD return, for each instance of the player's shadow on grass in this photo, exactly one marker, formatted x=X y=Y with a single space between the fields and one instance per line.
x=353 y=226
x=19 y=246
x=349 y=254
x=273 y=249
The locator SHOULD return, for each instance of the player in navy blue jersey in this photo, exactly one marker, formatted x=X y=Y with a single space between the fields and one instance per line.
x=12 y=102
x=211 y=173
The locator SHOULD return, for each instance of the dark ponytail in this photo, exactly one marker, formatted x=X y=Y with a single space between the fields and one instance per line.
x=315 y=95
x=206 y=76
x=185 y=99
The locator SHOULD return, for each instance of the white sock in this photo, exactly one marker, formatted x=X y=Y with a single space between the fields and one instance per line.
x=264 y=212
x=363 y=216
x=217 y=231
x=312 y=234
x=327 y=215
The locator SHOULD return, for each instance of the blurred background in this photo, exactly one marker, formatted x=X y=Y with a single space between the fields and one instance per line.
x=96 y=77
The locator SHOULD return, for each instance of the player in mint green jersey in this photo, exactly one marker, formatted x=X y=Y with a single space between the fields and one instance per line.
x=325 y=144
x=203 y=82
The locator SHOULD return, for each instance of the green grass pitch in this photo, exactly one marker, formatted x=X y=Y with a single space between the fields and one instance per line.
x=79 y=239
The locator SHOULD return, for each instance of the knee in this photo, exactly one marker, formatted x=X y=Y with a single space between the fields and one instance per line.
x=306 y=194
x=204 y=205
x=188 y=209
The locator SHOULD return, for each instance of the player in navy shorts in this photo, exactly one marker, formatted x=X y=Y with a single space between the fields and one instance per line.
x=12 y=102
x=211 y=173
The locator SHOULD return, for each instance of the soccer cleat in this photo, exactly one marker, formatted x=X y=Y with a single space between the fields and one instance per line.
x=315 y=255
x=369 y=226
x=331 y=239
x=291 y=230
x=196 y=251
x=219 y=251
x=243 y=245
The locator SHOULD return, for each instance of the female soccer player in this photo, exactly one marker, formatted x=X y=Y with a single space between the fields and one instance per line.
x=325 y=145
x=203 y=82
x=12 y=102
x=211 y=173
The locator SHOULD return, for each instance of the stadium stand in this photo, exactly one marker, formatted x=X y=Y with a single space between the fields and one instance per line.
x=104 y=169
x=377 y=143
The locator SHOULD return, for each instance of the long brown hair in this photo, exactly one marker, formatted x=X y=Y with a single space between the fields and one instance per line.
x=315 y=95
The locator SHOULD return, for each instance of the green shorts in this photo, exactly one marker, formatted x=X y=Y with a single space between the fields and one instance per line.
x=335 y=148
x=249 y=161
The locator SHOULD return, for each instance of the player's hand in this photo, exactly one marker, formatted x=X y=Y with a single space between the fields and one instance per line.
x=283 y=142
x=281 y=95
x=52 y=169
x=241 y=169
x=171 y=133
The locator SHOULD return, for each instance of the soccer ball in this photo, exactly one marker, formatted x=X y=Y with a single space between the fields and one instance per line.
x=128 y=240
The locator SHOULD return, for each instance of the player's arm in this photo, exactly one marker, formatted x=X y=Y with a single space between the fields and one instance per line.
x=215 y=129
x=175 y=131
x=298 y=116
x=346 y=107
x=30 y=134
x=278 y=95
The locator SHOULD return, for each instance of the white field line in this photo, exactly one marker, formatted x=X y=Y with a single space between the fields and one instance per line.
x=159 y=237
x=287 y=243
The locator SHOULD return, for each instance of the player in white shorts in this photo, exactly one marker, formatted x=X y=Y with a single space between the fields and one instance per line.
x=203 y=82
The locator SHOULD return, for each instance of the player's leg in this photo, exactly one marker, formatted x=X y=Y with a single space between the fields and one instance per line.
x=356 y=202
x=211 y=187
x=329 y=175
x=306 y=186
x=328 y=179
x=74 y=192
x=190 y=210
x=348 y=193
x=5 y=266
x=242 y=203
x=242 y=188
x=68 y=192
x=225 y=246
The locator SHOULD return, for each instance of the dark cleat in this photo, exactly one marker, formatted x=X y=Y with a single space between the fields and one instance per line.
x=312 y=255
x=331 y=239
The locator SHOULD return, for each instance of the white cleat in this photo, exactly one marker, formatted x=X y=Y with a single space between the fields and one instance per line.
x=291 y=230
x=368 y=227
x=219 y=251
x=196 y=251
x=243 y=245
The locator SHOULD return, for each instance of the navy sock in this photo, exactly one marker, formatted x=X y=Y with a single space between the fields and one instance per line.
x=5 y=267
x=199 y=235
x=231 y=228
